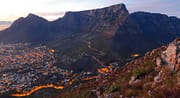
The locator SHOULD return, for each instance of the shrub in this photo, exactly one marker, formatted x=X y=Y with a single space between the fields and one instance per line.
x=146 y=68
x=131 y=92
x=114 y=88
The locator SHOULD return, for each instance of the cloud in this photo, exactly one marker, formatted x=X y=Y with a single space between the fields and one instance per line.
x=2 y=27
x=5 y=22
x=156 y=6
x=51 y=15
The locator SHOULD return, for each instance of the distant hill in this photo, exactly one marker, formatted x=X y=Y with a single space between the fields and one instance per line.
x=100 y=36
x=29 y=29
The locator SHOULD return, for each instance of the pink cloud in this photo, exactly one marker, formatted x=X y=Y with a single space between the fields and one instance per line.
x=51 y=13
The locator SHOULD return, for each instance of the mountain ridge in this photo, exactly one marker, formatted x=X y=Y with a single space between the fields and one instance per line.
x=105 y=13
x=113 y=33
x=61 y=25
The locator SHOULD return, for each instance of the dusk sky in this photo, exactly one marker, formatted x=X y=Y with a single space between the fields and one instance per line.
x=53 y=9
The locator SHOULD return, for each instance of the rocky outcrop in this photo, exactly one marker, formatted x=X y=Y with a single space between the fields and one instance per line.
x=110 y=14
x=171 y=56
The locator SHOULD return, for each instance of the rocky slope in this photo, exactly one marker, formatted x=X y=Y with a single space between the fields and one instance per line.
x=155 y=75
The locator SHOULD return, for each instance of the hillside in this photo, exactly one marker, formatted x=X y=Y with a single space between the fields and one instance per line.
x=154 y=75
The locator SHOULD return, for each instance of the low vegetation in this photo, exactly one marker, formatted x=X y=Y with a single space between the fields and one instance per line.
x=140 y=78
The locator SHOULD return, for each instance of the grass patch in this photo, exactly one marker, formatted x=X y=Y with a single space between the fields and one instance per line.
x=114 y=88
x=146 y=68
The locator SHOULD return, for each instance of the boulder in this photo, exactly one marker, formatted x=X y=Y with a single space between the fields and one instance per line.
x=171 y=56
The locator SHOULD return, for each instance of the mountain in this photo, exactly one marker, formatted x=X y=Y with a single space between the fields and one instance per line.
x=29 y=29
x=98 y=20
x=113 y=36
x=144 y=31
x=88 y=40
x=157 y=75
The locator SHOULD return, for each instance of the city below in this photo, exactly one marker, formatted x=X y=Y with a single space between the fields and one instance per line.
x=26 y=69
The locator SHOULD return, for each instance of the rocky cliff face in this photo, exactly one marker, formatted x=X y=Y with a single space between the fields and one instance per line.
x=171 y=56
x=109 y=19
x=104 y=20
